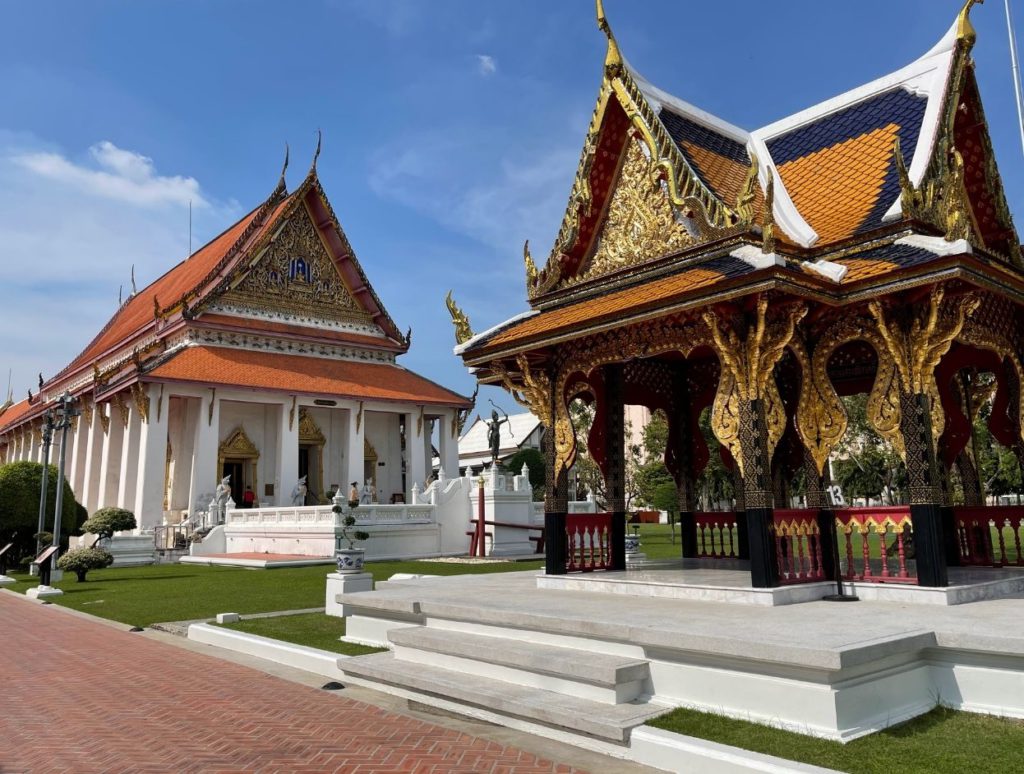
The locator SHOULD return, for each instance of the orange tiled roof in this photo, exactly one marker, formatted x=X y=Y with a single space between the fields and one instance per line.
x=267 y=326
x=836 y=188
x=646 y=294
x=137 y=313
x=304 y=375
x=15 y=413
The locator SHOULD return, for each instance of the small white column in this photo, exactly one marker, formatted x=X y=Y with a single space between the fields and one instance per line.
x=355 y=452
x=110 y=456
x=448 y=445
x=93 y=455
x=415 y=459
x=129 y=467
x=152 y=476
x=205 y=474
x=287 y=454
x=35 y=448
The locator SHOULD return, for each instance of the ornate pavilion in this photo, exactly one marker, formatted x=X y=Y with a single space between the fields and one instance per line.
x=266 y=355
x=862 y=245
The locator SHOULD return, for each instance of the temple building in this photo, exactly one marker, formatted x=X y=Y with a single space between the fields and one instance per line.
x=863 y=246
x=265 y=356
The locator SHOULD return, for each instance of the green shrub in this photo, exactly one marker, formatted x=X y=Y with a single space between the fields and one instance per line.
x=106 y=521
x=81 y=560
x=19 y=505
x=535 y=464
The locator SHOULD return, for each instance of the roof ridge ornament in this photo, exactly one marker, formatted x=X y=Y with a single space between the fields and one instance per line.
x=282 y=186
x=964 y=29
x=463 y=331
x=316 y=153
x=613 y=59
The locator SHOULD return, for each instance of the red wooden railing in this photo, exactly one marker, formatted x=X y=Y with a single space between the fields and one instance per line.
x=717 y=535
x=798 y=546
x=989 y=537
x=883 y=530
x=588 y=542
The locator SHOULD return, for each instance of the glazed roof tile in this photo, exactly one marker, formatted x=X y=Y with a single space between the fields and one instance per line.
x=16 y=412
x=883 y=260
x=303 y=375
x=634 y=298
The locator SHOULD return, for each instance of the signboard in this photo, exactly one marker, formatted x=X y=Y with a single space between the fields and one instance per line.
x=45 y=556
x=5 y=549
x=835 y=496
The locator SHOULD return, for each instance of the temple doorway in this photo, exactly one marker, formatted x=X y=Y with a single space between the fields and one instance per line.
x=237 y=458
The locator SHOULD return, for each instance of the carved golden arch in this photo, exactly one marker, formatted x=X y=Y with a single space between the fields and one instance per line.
x=238 y=446
x=314 y=440
x=975 y=334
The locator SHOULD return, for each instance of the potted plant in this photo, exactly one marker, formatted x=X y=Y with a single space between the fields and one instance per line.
x=350 y=560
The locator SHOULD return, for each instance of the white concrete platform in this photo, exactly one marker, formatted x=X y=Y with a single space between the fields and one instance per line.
x=706 y=580
x=257 y=561
x=838 y=671
x=43 y=592
x=6 y=580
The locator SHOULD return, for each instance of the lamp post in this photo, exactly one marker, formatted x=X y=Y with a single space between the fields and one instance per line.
x=65 y=413
x=48 y=425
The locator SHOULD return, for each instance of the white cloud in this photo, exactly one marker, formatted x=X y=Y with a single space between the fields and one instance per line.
x=486 y=65
x=71 y=233
x=118 y=174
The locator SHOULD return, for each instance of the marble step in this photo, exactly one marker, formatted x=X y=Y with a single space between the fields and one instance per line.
x=615 y=678
x=609 y=722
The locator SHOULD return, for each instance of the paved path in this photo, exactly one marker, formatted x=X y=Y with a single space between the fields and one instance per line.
x=80 y=696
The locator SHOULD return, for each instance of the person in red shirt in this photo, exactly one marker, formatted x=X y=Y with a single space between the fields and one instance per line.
x=248 y=498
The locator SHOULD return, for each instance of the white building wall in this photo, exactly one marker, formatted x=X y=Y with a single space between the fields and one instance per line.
x=382 y=431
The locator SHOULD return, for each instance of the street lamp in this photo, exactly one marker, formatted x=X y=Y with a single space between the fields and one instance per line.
x=48 y=425
x=66 y=411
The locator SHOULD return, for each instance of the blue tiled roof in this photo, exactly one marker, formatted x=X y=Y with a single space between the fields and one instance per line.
x=682 y=129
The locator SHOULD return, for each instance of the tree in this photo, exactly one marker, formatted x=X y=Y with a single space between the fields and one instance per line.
x=534 y=462
x=866 y=465
x=715 y=483
x=589 y=479
x=81 y=560
x=19 y=504
x=106 y=521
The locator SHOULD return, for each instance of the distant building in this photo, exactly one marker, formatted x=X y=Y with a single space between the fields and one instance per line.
x=522 y=431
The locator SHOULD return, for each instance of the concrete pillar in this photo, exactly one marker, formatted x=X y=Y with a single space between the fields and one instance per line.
x=75 y=473
x=151 y=483
x=129 y=468
x=355 y=451
x=415 y=459
x=287 y=454
x=110 y=457
x=35 y=448
x=93 y=460
x=448 y=444
x=205 y=474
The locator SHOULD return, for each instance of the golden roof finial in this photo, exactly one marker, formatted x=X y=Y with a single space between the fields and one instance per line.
x=316 y=153
x=463 y=332
x=531 y=268
x=613 y=59
x=281 y=185
x=964 y=29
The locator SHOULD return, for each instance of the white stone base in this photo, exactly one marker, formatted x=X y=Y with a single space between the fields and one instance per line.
x=43 y=592
x=5 y=580
x=338 y=583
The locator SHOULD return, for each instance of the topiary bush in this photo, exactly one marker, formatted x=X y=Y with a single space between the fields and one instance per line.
x=106 y=521
x=81 y=560
x=19 y=505
x=535 y=464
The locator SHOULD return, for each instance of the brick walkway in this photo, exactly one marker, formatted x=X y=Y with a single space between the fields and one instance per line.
x=79 y=696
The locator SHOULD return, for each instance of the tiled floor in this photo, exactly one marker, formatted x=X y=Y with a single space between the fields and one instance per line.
x=80 y=696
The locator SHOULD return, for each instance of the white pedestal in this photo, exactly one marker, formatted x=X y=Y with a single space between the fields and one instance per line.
x=43 y=592
x=4 y=580
x=338 y=583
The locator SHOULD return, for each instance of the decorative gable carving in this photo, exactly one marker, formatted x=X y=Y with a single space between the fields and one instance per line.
x=296 y=276
x=640 y=225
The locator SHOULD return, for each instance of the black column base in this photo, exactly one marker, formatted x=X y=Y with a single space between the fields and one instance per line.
x=764 y=568
x=555 y=548
x=949 y=536
x=929 y=545
x=742 y=536
x=618 y=538
x=829 y=547
x=688 y=534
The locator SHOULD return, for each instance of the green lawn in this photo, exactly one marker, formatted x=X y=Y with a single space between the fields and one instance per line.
x=316 y=630
x=943 y=740
x=141 y=596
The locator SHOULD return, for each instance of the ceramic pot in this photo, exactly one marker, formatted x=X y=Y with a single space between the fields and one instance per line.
x=350 y=560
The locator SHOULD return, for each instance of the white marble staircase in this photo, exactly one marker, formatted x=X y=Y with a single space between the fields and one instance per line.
x=570 y=690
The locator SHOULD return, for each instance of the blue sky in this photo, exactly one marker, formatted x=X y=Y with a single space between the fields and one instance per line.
x=452 y=130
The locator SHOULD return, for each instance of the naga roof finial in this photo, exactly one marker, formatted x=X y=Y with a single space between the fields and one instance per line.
x=282 y=186
x=964 y=29
x=612 y=59
x=316 y=153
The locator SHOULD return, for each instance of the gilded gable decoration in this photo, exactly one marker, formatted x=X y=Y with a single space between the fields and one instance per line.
x=296 y=275
x=238 y=445
x=309 y=431
x=641 y=224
